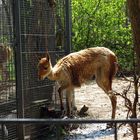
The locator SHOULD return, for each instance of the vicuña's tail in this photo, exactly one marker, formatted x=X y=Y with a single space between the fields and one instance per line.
x=113 y=67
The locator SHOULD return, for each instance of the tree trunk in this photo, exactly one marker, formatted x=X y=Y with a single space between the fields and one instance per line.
x=134 y=10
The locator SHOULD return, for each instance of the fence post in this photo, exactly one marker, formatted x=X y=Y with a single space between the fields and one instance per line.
x=58 y=131
x=2 y=129
x=68 y=34
x=68 y=27
x=18 y=67
x=115 y=135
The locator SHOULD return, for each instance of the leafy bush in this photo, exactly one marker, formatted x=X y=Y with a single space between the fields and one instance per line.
x=103 y=23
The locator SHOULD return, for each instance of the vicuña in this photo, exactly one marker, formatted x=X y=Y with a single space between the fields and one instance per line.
x=76 y=68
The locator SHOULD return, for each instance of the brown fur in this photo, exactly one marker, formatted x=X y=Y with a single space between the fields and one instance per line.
x=76 y=68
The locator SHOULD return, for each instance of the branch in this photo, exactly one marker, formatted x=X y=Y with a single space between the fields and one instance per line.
x=128 y=103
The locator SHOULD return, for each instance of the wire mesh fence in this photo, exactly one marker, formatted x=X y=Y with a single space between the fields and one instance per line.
x=27 y=30
x=39 y=23
x=8 y=106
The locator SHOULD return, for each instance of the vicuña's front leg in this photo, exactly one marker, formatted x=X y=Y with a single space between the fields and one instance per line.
x=60 y=91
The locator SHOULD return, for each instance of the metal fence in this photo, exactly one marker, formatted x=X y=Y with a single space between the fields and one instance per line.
x=40 y=25
x=8 y=105
x=28 y=28
x=58 y=122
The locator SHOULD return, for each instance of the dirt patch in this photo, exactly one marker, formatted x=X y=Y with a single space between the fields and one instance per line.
x=100 y=108
x=97 y=100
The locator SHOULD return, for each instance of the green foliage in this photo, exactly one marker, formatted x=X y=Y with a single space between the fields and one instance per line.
x=103 y=23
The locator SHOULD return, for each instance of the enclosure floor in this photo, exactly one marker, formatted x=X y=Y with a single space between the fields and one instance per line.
x=100 y=108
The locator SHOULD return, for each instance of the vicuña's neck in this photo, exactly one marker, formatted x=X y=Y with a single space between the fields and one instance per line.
x=52 y=74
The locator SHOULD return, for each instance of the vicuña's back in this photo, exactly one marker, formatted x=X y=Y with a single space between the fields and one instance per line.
x=74 y=69
x=83 y=65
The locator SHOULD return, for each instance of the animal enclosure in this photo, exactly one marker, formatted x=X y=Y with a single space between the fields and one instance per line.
x=27 y=30
x=8 y=103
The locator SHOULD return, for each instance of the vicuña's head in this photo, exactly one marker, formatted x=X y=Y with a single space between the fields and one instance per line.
x=44 y=67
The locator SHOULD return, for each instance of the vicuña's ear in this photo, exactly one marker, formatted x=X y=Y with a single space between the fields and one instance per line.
x=47 y=57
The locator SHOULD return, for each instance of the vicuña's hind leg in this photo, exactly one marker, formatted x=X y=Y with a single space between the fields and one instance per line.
x=105 y=83
x=113 y=99
x=69 y=102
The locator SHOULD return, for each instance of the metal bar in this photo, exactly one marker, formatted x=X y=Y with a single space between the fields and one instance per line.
x=63 y=121
x=58 y=132
x=2 y=129
x=58 y=122
x=41 y=52
x=38 y=87
x=68 y=34
x=42 y=35
x=18 y=61
x=67 y=27
x=115 y=136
